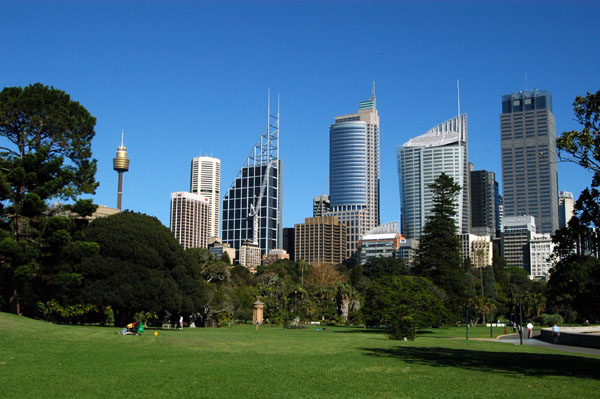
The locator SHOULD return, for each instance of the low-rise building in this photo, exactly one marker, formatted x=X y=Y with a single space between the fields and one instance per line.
x=274 y=255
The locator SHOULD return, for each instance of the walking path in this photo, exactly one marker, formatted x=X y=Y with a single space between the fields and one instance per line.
x=535 y=341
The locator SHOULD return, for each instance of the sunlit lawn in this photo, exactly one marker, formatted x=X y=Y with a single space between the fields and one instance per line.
x=42 y=360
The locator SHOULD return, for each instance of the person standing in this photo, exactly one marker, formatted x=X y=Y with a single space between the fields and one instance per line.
x=529 y=330
x=555 y=333
x=181 y=322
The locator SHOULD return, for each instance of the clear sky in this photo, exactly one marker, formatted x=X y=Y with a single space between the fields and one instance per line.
x=189 y=78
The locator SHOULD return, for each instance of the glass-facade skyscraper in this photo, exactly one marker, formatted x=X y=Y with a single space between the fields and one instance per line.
x=354 y=171
x=252 y=206
x=529 y=162
x=442 y=149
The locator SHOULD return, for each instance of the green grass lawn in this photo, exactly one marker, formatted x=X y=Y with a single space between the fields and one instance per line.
x=42 y=360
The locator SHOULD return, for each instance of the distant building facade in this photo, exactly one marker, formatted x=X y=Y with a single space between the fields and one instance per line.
x=253 y=204
x=529 y=161
x=354 y=171
x=206 y=180
x=566 y=208
x=483 y=203
x=321 y=239
x=321 y=205
x=382 y=242
x=189 y=219
x=274 y=255
x=518 y=231
x=442 y=149
x=540 y=250
x=250 y=256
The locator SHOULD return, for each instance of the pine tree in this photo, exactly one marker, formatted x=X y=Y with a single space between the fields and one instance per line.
x=438 y=256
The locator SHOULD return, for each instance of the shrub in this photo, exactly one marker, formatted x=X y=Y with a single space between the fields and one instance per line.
x=549 y=320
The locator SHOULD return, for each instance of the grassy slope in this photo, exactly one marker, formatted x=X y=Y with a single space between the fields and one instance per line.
x=44 y=360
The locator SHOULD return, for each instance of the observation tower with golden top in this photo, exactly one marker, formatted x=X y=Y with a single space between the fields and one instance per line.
x=121 y=165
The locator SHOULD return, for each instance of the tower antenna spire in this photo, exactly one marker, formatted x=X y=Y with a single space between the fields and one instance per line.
x=122 y=134
x=458 y=94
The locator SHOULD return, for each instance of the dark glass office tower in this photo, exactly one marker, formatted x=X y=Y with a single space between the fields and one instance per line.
x=529 y=171
x=252 y=206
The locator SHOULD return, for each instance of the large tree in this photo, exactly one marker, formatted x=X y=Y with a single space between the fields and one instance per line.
x=140 y=267
x=45 y=154
x=408 y=298
x=438 y=256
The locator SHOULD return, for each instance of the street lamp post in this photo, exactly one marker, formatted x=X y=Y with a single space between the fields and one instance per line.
x=491 y=325
x=520 y=317
x=467 y=322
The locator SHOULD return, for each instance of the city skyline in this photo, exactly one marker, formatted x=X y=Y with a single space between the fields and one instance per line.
x=187 y=79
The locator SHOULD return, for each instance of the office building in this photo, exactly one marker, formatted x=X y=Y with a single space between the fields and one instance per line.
x=482 y=250
x=288 y=241
x=189 y=219
x=382 y=242
x=321 y=205
x=320 y=239
x=206 y=180
x=354 y=171
x=566 y=208
x=516 y=234
x=442 y=149
x=253 y=204
x=540 y=251
x=250 y=256
x=483 y=203
x=274 y=255
x=529 y=170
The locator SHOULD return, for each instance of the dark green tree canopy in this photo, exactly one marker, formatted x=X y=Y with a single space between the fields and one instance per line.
x=406 y=297
x=41 y=118
x=583 y=147
x=140 y=267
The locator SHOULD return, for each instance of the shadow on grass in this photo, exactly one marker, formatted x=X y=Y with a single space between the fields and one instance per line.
x=363 y=331
x=530 y=364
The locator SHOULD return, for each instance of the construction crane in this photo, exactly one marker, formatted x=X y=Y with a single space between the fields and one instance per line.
x=254 y=211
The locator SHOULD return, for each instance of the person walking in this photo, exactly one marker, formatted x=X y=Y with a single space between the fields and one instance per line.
x=529 y=330
x=555 y=333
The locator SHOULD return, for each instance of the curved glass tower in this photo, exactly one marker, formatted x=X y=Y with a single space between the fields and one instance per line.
x=354 y=171
x=347 y=164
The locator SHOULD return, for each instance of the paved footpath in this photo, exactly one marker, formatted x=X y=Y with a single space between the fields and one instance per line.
x=535 y=341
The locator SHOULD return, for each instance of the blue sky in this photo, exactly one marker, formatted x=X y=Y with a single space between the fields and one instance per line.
x=189 y=78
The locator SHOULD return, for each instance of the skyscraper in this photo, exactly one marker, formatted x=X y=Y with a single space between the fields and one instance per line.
x=566 y=208
x=189 y=219
x=354 y=171
x=252 y=206
x=442 y=149
x=483 y=203
x=206 y=180
x=529 y=170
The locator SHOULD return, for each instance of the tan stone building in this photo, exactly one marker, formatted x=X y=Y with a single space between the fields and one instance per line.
x=189 y=219
x=250 y=256
x=320 y=239
x=274 y=255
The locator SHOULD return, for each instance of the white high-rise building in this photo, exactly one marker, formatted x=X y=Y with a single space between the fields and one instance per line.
x=443 y=149
x=566 y=208
x=206 y=180
x=189 y=219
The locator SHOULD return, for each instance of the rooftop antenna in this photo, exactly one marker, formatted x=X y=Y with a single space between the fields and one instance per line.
x=458 y=94
x=525 y=81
